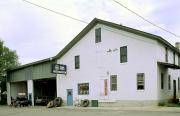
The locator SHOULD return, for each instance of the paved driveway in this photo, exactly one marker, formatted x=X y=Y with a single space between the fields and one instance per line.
x=42 y=111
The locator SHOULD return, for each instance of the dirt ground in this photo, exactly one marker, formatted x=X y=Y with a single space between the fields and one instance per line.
x=43 y=111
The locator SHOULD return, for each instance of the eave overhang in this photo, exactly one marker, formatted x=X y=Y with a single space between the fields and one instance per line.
x=168 y=65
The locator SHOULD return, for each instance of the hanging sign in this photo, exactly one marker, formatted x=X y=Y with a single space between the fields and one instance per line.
x=59 y=68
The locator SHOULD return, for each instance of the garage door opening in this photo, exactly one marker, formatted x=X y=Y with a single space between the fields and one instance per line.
x=18 y=87
x=44 y=91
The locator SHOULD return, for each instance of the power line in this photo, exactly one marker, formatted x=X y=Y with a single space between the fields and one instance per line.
x=55 y=11
x=62 y=14
x=146 y=19
x=58 y=13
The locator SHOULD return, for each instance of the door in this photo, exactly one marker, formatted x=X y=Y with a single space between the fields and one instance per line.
x=69 y=97
x=174 y=89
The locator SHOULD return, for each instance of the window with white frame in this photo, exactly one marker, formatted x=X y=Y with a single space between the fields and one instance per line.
x=174 y=57
x=77 y=62
x=166 y=54
x=113 y=82
x=140 y=81
x=97 y=35
x=123 y=54
x=83 y=88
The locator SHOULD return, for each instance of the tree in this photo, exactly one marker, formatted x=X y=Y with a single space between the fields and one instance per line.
x=8 y=60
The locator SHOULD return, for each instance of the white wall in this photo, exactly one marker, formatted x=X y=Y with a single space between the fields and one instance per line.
x=97 y=64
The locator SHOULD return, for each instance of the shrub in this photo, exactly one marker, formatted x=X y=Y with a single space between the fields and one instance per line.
x=3 y=100
x=173 y=100
x=161 y=104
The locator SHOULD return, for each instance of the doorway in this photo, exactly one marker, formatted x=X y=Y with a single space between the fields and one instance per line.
x=174 y=89
x=69 y=97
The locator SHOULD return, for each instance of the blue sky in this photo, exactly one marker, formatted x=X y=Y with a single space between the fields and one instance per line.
x=37 y=34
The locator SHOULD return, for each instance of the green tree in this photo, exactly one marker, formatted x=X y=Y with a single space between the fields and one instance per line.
x=8 y=60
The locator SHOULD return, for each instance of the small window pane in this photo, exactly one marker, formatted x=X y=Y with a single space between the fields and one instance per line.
x=140 y=87
x=114 y=79
x=114 y=87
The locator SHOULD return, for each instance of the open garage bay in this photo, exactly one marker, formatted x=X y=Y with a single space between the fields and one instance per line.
x=44 y=91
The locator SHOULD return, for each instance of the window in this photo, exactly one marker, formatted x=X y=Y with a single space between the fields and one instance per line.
x=140 y=81
x=123 y=54
x=98 y=35
x=77 y=62
x=162 y=81
x=113 y=81
x=83 y=88
x=166 y=55
x=179 y=60
x=169 y=82
x=174 y=57
x=178 y=83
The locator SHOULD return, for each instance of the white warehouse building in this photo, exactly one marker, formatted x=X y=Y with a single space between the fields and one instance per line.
x=111 y=63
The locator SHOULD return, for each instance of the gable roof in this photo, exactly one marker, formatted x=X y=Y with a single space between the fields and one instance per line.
x=117 y=26
x=88 y=28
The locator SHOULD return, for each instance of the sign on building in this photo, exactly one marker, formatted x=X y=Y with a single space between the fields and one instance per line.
x=59 y=68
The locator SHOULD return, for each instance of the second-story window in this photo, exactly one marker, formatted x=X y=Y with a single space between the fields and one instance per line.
x=77 y=62
x=123 y=54
x=98 y=35
x=166 y=54
x=174 y=57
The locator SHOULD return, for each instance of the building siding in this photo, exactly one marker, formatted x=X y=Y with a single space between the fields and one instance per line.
x=98 y=61
x=38 y=71
x=164 y=94
x=98 y=64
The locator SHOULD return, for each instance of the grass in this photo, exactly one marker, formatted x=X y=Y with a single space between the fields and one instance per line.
x=173 y=105
x=169 y=104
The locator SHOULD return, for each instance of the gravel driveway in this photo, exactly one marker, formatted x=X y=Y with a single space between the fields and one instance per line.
x=43 y=111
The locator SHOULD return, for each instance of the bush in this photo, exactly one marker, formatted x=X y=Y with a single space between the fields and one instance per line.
x=3 y=100
x=173 y=101
x=173 y=105
x=161 y=104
